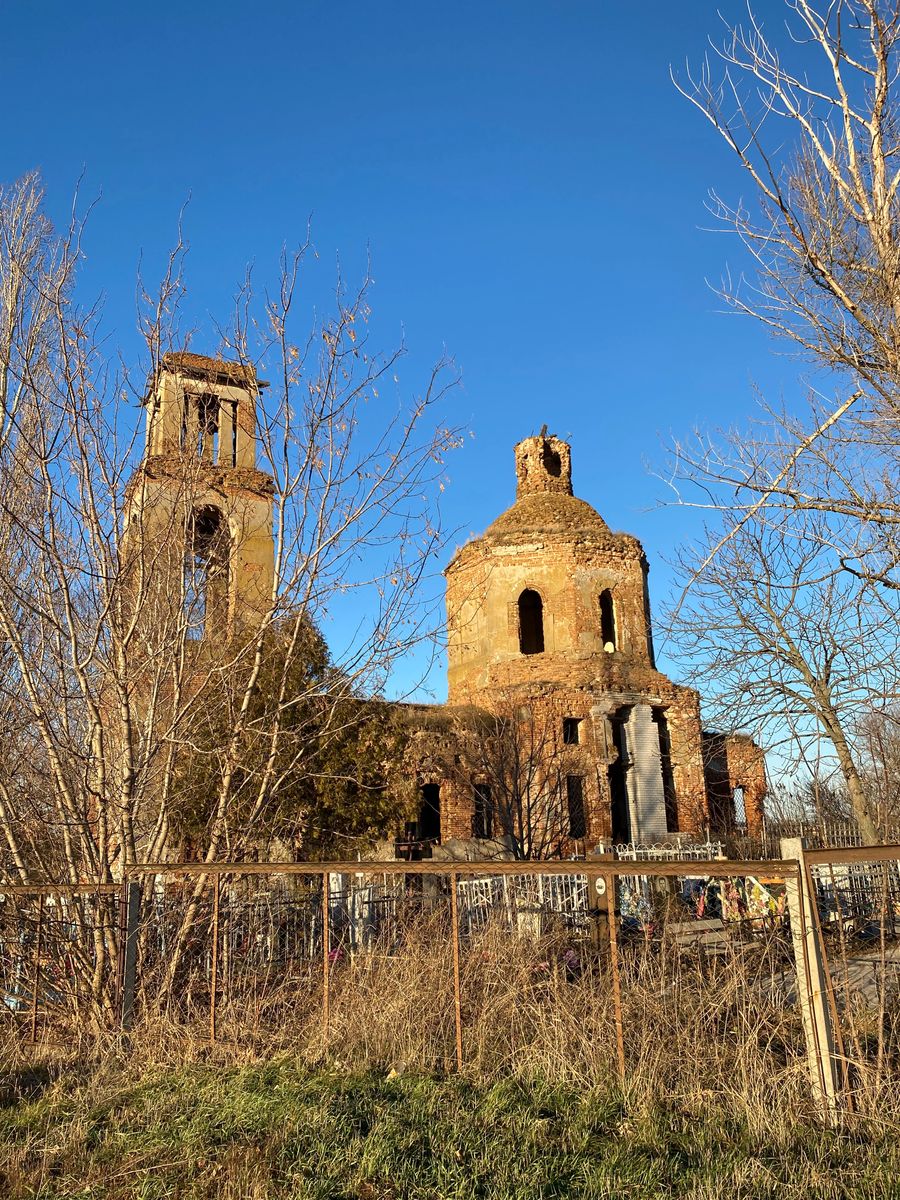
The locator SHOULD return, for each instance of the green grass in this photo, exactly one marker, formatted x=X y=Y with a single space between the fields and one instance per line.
x=282 y=1130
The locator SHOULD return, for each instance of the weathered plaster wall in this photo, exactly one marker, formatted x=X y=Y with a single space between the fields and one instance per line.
x=175 y=481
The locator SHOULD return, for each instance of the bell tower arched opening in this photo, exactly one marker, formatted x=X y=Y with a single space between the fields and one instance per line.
x=206 y=571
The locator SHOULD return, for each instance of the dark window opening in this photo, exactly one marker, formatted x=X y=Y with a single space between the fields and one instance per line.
x=575 y=803
x=618 y=782
x=648 y=622
x=234 y=429
x=607 y=620
x=208 y=427
x=571 y=731
x=668 y=775
x=719 y=790
x=430 y=813
x=552 y=461
x=483 y=815
x=206 y=572
x=531 y=623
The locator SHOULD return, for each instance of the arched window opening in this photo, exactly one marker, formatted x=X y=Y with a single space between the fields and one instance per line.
x=206 y=572
x=430 y=813
x=531 y=623
x=552 y=461
x=607 y=621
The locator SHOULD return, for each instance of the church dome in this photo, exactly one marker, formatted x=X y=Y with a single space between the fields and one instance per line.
x=544 y=501
x=547 y=513
x=548 y=593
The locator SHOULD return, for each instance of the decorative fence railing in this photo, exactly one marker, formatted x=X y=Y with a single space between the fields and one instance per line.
x=821 y=834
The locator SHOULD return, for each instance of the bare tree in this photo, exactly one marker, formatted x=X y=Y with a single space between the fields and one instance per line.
x=787 y=644
x=800 y=565
x=814 y=125
x=879 y=737
x=518 y=771
x=105 y=688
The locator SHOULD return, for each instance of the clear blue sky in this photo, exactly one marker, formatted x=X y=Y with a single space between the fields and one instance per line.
x=529 y=182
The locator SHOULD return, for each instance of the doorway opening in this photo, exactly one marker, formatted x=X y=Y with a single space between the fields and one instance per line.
x=430 y=813
x=618 y=780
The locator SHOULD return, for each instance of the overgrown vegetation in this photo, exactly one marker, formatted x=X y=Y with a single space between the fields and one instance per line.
x=337 y=782
x=281 y=1129
x=716 y=1099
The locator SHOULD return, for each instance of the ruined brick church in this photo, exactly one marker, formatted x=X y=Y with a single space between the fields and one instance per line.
x=548 y=622
x=557 y=725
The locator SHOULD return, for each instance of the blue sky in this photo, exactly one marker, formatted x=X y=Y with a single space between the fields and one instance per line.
x=529 y=184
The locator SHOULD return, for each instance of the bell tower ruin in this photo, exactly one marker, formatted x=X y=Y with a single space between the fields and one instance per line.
x=198 y=520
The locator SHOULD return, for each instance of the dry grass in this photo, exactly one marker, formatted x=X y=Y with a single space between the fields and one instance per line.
x=530 y=1007
x=715 y=1092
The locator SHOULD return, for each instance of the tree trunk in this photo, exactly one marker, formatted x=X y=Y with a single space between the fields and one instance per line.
x=859 y=802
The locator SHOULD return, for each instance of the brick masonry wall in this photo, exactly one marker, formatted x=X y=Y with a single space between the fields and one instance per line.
x=556 y=545
x=747 y=770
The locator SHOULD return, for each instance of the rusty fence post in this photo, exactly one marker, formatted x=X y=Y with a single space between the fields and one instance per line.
x=130 y=921
x=812 y=987
x=598 y=898
x=610 y=880
x=454 y=933
x=326 y=954
x=214 y=964
x=37 y=968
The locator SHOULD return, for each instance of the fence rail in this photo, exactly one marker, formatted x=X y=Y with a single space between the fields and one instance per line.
x=248 y=946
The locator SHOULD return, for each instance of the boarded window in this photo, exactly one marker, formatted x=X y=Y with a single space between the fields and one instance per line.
x=607 y=620
x=575 y=802
x=531 y=623
x=571 y=731
x=483 y=813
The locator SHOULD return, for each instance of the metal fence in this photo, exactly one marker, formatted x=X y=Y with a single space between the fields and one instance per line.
x=59 y=952
x=820 y=834
x=256 y=948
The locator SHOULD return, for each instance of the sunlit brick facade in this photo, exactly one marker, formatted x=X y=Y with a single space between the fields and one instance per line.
x=548 y=616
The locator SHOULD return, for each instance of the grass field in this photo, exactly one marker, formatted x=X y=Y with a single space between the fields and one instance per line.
x=284 y=1129
x=717 y=1101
